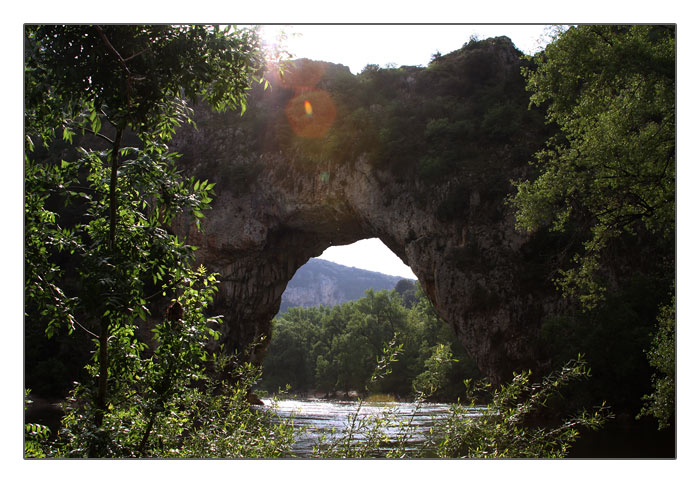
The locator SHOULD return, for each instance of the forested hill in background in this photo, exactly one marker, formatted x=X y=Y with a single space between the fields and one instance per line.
x=321 y=282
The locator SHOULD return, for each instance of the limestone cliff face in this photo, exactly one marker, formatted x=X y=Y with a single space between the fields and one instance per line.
x=323 y=292
x=321 y=282
x=277 y=206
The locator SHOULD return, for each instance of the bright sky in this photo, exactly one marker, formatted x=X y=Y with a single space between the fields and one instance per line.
x=358 y=45
x=370 y=254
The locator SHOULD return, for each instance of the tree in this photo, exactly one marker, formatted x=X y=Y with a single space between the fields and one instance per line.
x=127 y=86
x=288 y=359
x=330 y=349
x=609 y=173
x=611 y=168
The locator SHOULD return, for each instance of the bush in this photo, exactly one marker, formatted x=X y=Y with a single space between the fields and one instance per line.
x=179 y=401
x=507 y=427
x=515 y=424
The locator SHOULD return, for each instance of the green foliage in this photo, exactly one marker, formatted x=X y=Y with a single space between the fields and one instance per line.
x=516 y=423
x=366 y=436
x=335 y=349
x=434 y=377
x=390 y=354
x=505 y=428
x=224 y=425
x=607 y=181
x=79 y=78
x=408 y=291
x=611 y=168
x=178 y=401
x=362 y=437
x=661 y=403
x=100 y=251
x=142 y=386
x=137 y=75
x=35 y=435
x=212 y=419
x=614 y=337
x=466 y=111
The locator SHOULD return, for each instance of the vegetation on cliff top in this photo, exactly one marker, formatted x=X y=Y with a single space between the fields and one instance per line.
x=467 y=112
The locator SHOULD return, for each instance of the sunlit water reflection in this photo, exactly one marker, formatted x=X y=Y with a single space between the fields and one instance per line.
x=330 y=418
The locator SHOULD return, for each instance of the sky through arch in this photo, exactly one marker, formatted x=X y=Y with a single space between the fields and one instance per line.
x=369 y=254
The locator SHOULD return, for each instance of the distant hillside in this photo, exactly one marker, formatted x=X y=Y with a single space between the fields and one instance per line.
x=321 y=282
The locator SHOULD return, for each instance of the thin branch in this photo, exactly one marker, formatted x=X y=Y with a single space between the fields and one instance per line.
x=112 y=49
x=99 y=135
x=136 y=55
x=109 y=120
x=122 y=62
x=85 y=329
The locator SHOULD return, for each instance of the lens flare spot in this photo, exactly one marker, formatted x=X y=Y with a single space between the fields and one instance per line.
x=311 y=114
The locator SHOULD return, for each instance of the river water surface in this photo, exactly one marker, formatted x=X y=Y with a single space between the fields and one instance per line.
x=330 y=418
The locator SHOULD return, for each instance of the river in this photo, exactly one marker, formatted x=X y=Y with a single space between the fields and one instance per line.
x=322 y=417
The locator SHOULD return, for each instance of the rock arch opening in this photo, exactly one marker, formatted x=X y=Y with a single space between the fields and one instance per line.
x=258 y=238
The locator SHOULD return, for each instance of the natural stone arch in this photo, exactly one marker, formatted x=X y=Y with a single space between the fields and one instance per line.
x=257 y=240
x=284 y=209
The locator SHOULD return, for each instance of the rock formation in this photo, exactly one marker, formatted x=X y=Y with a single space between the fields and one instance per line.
x=280 y=202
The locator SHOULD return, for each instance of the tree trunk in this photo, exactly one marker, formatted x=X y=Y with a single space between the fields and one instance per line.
x=101 y=399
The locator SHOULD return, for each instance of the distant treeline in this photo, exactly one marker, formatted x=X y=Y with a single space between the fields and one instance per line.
x=329 y=349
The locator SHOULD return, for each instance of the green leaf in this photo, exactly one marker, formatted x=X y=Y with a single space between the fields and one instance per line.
x=67 y=135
